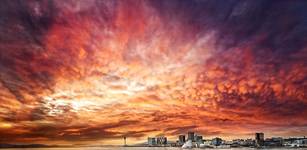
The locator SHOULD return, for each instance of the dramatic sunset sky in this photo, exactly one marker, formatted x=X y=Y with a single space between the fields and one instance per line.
x=93 y=71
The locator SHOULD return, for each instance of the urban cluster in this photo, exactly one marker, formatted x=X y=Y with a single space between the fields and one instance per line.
x=194 y=140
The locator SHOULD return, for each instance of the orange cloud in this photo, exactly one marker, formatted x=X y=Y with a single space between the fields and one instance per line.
x=87 y=71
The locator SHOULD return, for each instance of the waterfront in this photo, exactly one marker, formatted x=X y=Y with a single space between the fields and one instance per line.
x=140 y=148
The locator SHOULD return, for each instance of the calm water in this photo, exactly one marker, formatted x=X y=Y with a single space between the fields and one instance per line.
x=138 y=148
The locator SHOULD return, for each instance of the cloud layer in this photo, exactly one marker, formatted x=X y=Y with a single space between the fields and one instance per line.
x=94 y=70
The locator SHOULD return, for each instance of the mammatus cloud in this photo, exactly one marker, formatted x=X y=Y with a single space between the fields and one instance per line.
x=92 y=70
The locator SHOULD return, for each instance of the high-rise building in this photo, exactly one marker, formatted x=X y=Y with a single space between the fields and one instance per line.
x=181 y=139
x=191 y=136
x=151 y=141
x=161 y=140
x=259 y=139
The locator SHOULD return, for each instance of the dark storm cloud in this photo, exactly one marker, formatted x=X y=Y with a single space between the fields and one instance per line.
x=26 y=63
x=255 y=41
x=21 y=33
x=275 y=25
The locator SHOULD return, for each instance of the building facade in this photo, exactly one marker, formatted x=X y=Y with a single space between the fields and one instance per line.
x=259 y=139
x=151 y=141
x=199 y=139
x=161 y=140
x=181 y=139
x=274 y=142
x=191 y=136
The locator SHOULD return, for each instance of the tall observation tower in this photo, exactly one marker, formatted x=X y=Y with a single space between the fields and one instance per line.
x=125 y=141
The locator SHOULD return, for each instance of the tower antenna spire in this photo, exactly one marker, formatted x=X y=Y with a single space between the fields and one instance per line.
x=125 y=141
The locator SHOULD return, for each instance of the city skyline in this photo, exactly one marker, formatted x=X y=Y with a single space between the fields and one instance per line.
x=95 y=71
x=195 y=140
